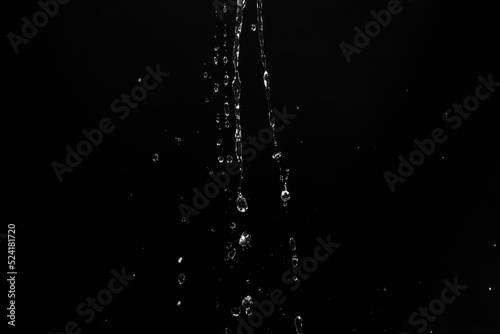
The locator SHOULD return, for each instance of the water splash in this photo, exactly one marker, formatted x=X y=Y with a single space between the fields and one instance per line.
x=241 y=202
x=285 y=194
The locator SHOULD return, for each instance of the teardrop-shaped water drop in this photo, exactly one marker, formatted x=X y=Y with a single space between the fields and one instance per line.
x=241 y=203
x=298 y=324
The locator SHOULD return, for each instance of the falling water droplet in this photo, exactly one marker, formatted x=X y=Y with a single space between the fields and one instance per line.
x=277 y=155
x=247 y=302
x=217 y=304
x=298 y=324
x=205 y=75
x=295 y=261
x=179 y=303
x=232 y=225
x=254 y=27
x=229 y=245
x=216 y=61
x=293 y=246
x=227 y=124
x=219 y=142
x=225 y=35
x=156 y=157
x=226 y=79
x=247 y=282
x=285 y=197
x=248 y=312
x=241 y=203
x=216 y=87
x=207 y=100
x=217 y=119
x=225 y=60
x=226 y=108
x=221 y=159
x=229 y=159
x=224 y=9
x=178 y=139
x=182 y=278
x=232 y=253
x=245 y=239
x=235 y=311
x=180 y=259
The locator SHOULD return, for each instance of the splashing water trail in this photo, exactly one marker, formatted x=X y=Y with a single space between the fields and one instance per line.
x=241 y=202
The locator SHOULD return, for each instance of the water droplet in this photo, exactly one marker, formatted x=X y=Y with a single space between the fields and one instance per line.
x=247 y=302
x=182 y=278
x=227 y=124
x=226 y=79
x=277 y=155
x=225 y=59
x=213 y=230
x=226 y=108
x=216 y=87
x=227 y=330
x=179 y=303
x=178 y=139
x=248 y=312
x=224 y=9
x=232 y=225
x=156 y=157
x=205 y=75
x=285 y=197
x=184 y=220
x=232 y=253
x=217 y=304
x=225 y=35
x=254 y=27
x=219 y=142
x=298 y=324
x=248 y=282
x=229 y=159
x=216 y=61
x=295 y=278
x=235 y=311
x=221 y=159
x=207 y=100
x=180 y=259
x=229 y=245
x=245 y=239
x=241 y=203
x=295 y=261
x=293 y=246
x=217 y=119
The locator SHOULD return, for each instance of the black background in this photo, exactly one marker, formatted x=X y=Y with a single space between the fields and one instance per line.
x=120 y=209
